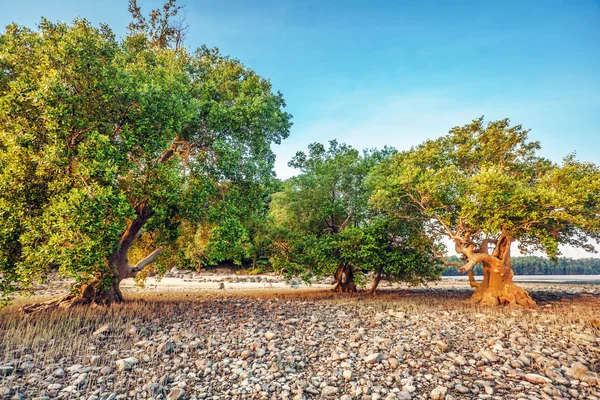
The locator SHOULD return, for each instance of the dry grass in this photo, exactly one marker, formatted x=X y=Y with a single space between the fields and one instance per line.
x=51 y=332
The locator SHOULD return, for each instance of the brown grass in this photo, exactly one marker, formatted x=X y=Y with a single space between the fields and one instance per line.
x=50 y=331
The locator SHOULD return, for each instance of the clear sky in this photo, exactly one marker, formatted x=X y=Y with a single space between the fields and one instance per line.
x=372 y=73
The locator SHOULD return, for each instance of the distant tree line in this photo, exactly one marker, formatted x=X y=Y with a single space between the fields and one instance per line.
x=533 y=265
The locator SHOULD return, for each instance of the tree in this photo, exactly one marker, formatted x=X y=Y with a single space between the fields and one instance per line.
x=324 y=226
x=102 y=140
x=484 y=187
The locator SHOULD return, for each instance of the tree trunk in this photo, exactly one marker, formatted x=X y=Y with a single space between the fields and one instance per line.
x=344 y=278
x=377 y=279
x=497 y=287
x=499 y=290
x=106 y=291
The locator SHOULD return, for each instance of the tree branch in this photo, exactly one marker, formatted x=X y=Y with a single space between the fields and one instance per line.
x=472 y=282
x=147 y=260
x=345 y=222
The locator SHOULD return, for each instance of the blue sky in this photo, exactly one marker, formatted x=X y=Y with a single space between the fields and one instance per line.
x=372 y=73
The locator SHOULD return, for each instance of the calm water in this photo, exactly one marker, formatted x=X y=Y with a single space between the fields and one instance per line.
x=566 y=279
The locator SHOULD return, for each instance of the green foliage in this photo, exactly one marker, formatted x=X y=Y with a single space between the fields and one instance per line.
x=92 y=127
x=485 y=180
x=322 y=218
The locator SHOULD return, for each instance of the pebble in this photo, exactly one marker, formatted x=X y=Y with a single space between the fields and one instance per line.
x=438 y=393
x=537 y=379
x=126 y=364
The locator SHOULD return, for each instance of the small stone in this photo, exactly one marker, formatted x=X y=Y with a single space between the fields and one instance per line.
x=166 y=347
x=537 y=379
x=176 y=394
x=404 y=395
x=577 y=371
x=524 y=360
x=373 y=358
x=438 y=393
x=463 y=389
x=347 y=374
x=443 y=346
x=126 y=364
x=203 y=364
x=329 y=391
x=6 y=369
x=269 y=335
x=488 y=355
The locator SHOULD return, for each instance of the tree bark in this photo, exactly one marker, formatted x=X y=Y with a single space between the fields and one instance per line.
x=344 y=278
x=497 y=287
x=377 y=279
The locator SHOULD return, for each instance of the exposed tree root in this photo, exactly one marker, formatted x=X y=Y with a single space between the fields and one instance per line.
x=91 y=294
x=497 y=290
x=509 y=294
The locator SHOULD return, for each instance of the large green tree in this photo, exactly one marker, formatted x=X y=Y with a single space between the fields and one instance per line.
x=101 y=139
x=323 y=224
x=484 y=187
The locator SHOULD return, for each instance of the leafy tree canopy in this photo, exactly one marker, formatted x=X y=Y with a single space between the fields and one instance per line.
x=324 y=226
x=483 y=186
x=101 y=137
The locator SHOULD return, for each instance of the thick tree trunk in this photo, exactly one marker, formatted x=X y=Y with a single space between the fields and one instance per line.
x=500 y=289
x=344 y=279
x=99 y=291
x=377 y=279
x=497 y=287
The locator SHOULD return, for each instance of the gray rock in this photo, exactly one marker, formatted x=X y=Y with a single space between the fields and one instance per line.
x=6 y=369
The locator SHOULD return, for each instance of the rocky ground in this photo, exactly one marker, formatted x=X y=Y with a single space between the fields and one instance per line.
x=277 y=343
